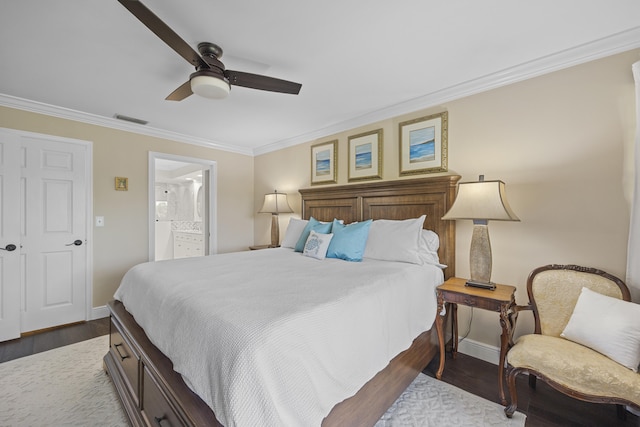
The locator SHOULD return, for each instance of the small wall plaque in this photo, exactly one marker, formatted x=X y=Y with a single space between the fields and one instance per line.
x=122 y=184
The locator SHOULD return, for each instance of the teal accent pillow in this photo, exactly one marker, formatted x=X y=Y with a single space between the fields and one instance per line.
x=349 y=241
x=315 y=225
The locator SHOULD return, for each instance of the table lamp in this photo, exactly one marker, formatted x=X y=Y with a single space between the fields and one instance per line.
x=481 y=201
x=275 y=203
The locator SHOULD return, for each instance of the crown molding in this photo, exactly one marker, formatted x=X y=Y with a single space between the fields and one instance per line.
x=607 y=46
x=611 y=45
x=94 y=119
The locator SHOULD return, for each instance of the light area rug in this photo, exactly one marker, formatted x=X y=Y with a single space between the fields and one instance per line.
x=67 y=386
x=428 y=402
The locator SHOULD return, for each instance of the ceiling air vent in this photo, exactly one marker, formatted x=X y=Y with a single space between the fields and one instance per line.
x=130 y=119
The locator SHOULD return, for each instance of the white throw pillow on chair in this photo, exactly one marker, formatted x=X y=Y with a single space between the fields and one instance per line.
x=610 y=326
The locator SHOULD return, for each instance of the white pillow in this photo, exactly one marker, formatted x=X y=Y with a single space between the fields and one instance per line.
x=317 y=245
x=294 y=230
x=428 y=248
x=609 y=325
x=392 y=240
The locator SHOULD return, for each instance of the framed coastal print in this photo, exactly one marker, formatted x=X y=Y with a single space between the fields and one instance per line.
x=365 y=156
x=324 y=159
x=423 y=145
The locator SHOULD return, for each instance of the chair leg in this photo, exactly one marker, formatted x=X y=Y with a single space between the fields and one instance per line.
x=622 y=412
x=532 y=381
x=511 y=385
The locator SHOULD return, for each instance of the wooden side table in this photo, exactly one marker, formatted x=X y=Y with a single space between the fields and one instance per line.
x=258 y=247
x=501 y=299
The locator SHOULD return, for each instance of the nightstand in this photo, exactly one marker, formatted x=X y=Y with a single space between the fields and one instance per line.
x=501 y=300
x=258 y=247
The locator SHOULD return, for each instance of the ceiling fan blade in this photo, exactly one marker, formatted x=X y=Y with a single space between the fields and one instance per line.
x=162 y=30
x=181 y=93
x=256 y=81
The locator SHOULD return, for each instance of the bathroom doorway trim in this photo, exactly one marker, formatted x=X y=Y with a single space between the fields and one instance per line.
x=208 y=217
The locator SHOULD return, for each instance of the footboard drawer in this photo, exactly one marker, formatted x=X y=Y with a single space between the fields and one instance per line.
x=155 y=407
x=127 y=359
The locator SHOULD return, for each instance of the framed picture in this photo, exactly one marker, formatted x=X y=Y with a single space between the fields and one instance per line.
x=423 y=145
x=324 y=159
x=365 y=156
x=122 y=184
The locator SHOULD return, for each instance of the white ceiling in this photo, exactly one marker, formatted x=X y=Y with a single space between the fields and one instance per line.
x=359 y=61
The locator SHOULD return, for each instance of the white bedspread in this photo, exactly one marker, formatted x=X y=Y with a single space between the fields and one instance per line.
x=274 y=338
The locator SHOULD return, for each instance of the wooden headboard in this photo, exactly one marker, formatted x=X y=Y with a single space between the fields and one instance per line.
x=400 y=199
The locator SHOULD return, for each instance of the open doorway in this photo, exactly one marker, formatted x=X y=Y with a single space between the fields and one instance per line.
x=181 y=207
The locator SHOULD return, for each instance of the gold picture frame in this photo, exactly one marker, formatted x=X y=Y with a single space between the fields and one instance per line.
x=324 y=163
x=365 y=156
x=122 y=183
x=424 y=145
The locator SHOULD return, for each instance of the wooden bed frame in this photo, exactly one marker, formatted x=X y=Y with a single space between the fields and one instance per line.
x=152 y=393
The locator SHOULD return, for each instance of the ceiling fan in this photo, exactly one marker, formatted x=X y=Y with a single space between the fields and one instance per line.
x=210 y=79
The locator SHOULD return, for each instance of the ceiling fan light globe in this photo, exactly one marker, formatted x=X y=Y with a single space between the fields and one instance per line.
x=210 y=87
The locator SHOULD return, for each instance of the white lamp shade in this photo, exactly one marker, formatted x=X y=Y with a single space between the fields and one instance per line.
x=210 y=87
x=481 y=200
x=275 y=203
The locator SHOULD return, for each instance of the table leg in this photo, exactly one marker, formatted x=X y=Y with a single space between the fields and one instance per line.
x=504 y=341
x=454 y=327
x=439 y=328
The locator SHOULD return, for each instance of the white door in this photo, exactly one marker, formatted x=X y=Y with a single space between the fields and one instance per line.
x=9 y=238
x=54 y=232
x=51 y=207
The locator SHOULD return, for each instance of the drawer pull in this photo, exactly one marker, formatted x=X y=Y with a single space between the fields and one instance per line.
x=162 y=421
x=470 y=302
x=117 y=347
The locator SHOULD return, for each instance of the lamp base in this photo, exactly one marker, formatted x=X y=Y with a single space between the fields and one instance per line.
x=275 y=231
x=474 y=284
x=480 y=255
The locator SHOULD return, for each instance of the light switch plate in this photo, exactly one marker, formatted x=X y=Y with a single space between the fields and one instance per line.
x=99 y=221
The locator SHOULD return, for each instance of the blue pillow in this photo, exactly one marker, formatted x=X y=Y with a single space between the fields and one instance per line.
x=348 y=241
x=315 y=225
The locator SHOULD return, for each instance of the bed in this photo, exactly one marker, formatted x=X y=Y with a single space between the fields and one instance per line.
x=153 y=393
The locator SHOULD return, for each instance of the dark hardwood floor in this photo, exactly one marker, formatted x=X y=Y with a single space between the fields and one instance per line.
x=544 y=406
x=53 y=338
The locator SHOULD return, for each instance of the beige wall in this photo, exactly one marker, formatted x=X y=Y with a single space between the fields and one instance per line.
x=558 y=141
x=562 y=143
x=123 y=241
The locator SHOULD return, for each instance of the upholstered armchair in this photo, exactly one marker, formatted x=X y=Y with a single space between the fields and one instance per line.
x=570 y=321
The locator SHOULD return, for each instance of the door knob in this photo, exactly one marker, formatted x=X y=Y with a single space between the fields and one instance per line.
x=9 y=247
x=75 y=242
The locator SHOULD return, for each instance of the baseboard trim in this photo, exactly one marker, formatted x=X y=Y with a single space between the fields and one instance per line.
x=479 y=350
x=99 y=312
